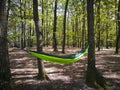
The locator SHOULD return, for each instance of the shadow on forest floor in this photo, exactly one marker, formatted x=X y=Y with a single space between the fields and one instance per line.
x=62 y=76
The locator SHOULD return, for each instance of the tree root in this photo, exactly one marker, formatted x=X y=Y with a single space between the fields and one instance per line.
x=95 y=79
x=42 y=77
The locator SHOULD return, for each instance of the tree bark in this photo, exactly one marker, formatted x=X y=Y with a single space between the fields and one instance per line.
x=118 y=31
x=41 y=72
x=73 y=31
x=47 y=24
x=42 y=27
x=21 y=44
x=64 y=27
x=107 y=33
x=98 y=24
x=55 y=27
x=5 y=74
x=24 y=26
x=93 y=77
x=83 y=25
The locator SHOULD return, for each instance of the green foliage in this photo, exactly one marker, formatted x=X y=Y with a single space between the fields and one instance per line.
x=76 y=15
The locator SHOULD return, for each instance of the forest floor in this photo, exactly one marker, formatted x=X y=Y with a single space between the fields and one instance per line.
x=62 y=76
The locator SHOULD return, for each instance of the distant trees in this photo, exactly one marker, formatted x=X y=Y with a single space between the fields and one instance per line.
x=4 y=57
x=51 y=16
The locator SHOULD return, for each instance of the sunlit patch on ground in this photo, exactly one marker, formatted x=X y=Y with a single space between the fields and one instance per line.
x=112 y=75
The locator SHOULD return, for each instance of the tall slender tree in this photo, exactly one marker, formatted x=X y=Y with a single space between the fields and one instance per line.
x=98 y=24
x=64 y=27
x=118 y=33
x=22 y=25
x=93 y=77
x=107 y=27
x=83 y=24
x=42 y=27
x=47 y=23
x=41 y=72
x=55 y=27
x=4 y=57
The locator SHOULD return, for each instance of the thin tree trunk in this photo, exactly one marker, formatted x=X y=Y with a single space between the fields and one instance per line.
x=42 y=28
x=83 y=25
x=54 y=27
x=73 y=31
x=22 y=26
x=64 y=28
x=76 y=30
x=41 y=72
x=107 y=33
x=98 y=24
x=31 y=31
x=47 y=26
x=68 y=28
x=118 y=34
x=30 y=41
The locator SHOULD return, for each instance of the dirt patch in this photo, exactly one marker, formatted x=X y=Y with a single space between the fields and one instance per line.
x=62 y=76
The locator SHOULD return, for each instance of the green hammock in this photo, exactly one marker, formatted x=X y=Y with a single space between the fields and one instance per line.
x=60 y=59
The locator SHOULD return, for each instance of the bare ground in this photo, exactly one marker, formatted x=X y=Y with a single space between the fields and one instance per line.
x=62 y=76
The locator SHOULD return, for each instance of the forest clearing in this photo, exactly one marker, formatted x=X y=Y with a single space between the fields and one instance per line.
x=60 y=44
x=62 y=76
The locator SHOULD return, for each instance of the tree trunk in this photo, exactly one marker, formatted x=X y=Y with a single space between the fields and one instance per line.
x=68 y=28
x=42 y=27
x=41 y=72
x=64 y=28
x=98 y=24
x=107 y=33
x=83 y=25
x=30 y=40
x=21 y=44
x=24 y=26
x=54 y=27
x=93 y=77
x=4 y=57
x=47 y=24
x=76 y=30
x=118 y=33
x=107 y=30
x=73 y=31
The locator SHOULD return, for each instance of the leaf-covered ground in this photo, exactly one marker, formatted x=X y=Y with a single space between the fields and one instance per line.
x=62 y=76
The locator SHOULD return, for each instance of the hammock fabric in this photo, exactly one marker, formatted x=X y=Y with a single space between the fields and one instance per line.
x=60 y=59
